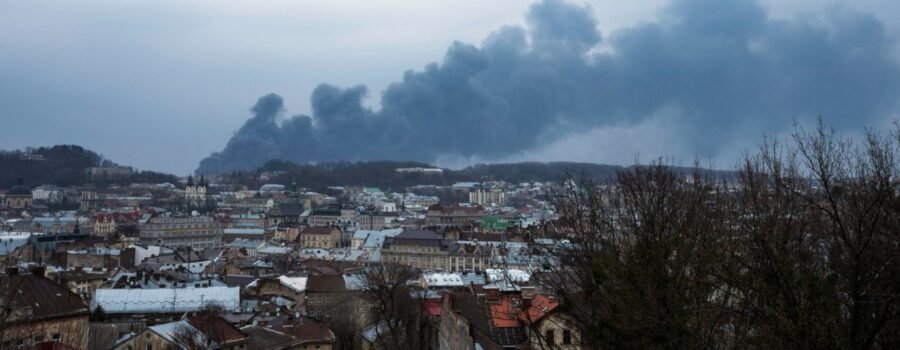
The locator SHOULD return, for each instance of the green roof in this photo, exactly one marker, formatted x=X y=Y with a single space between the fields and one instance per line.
x=493 y=222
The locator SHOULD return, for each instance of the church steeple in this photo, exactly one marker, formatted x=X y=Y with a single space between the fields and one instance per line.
x=190 y=182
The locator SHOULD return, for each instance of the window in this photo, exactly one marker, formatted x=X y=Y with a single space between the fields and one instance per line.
x=567 y=337
x=549 y=337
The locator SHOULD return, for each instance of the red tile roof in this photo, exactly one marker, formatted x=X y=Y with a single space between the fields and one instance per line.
x=505 y=314
x=540 y=307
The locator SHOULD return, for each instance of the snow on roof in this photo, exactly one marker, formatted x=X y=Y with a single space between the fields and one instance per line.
x=375 y=239
x=297 y=284
x=244 y=231
x=513 y=275
x=273 y=250
x=168 y=300
x=443 y=279
x=170 y=331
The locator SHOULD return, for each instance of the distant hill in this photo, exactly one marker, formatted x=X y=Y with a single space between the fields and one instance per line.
x=537 y=171
x=63 y=165
x=384 y=174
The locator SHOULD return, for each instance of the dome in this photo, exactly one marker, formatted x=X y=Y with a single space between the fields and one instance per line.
x=19 y=190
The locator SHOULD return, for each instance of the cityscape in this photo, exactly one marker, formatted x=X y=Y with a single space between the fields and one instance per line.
x=675 y=174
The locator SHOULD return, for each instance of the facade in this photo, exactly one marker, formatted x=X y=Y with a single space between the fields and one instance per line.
x=108 y=225
x=320 y=237
x=441 y=215
x=469 y=257
x=197 y=232
x=425 y=250
x=48 y=194
x=454 y=330
x=325 y=292
x=93 y=258
x=331 y=215
x=19 y=196
x=554 y=329
x=90 y=201
x=195 y=194
x=377 y=220
x=487 y=196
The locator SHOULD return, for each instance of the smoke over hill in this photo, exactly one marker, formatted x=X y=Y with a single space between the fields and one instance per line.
x=716 y=69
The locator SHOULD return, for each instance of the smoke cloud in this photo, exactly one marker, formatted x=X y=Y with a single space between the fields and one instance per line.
x=726 y=67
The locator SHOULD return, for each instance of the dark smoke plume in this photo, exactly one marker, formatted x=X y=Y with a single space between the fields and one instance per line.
x=726 y=67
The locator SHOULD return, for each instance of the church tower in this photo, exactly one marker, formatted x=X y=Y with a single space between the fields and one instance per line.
x=195 y=194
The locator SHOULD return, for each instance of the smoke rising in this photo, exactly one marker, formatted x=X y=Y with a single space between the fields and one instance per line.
x=725 y=66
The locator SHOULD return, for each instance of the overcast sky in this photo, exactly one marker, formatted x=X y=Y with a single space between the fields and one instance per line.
x=162 y=84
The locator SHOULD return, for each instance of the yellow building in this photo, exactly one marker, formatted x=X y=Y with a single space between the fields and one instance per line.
x=19 y=196
x=320 y=237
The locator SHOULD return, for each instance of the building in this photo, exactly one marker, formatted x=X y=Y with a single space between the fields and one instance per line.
x=93 y=258
x=90 y=201
x=425 y=250
x=377 y=220
x=128 y=303
x=443 y=215
x=420 y=170
x=469 y=257
x=37 y=311
x=48 y=194
x=81 y=282
x=297 y=333
x=19 y=196
x=320 y=237
x=549 y=327
x=200 y=331
x=285 y=213
x=195 y=194
x=291 y=288
x=331 y=215
x=326 y=292
x=197 y=232
x=110 y=225
x=487 y=196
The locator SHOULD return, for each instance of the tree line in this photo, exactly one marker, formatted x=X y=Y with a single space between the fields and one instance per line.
x=799 y=251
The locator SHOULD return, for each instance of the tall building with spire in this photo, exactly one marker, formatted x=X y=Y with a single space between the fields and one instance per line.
x=195 y=193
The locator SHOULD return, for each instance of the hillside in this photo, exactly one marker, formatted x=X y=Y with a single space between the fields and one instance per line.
x=63 y=165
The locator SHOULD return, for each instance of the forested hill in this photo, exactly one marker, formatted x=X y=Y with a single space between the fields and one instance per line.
x=62 y=165
x=384 y=174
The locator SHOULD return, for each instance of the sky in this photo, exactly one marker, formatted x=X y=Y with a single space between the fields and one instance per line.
x=163 y=85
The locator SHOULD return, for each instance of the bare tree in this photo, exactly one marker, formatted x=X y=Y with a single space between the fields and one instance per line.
x=800 y=252
x=398 y=306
